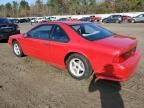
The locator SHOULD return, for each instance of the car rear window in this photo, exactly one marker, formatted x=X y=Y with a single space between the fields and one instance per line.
x=91 y=31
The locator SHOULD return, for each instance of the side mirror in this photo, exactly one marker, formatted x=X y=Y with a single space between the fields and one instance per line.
x=25 y=35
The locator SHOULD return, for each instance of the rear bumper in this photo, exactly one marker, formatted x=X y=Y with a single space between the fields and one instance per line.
x=120 y=72
x=5 y=36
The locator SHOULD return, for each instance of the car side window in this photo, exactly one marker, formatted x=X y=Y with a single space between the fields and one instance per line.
x=59 y=35
x=116 y=16
x=85 y=29
x=140 y=16
x=77 y=28
x=41 y=32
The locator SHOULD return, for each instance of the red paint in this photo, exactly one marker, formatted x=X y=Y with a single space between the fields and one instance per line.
x=103 y=54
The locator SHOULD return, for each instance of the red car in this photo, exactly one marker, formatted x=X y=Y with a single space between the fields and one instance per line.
x=126 y=18
x=81 y=47
x=95 y=18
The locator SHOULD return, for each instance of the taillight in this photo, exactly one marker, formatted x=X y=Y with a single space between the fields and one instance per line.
x=118 y=59
x=125 y=56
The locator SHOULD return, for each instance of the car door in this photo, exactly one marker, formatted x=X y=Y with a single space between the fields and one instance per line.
x=58 y=45
x=116 y=18
x=109 y=19
x=112 y=19
x=36 y=42
x=142 y=19
x=139 y=18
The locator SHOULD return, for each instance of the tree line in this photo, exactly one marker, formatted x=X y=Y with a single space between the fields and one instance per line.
x=68 y=7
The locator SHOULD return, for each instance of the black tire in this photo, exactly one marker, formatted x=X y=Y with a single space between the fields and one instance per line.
x=118 y=21
x=21 y=54
x=88 y=69
x=132 y=21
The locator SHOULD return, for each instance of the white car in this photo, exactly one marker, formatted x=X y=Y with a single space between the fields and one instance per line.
x=33 y=20
x=39 y=20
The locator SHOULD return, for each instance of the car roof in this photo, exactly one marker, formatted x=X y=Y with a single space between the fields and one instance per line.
x=66 y=22
x=2 y=18
x=116 y=15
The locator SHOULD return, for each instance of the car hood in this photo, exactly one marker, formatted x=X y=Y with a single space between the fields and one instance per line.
x=135 y=17
x=118 y=42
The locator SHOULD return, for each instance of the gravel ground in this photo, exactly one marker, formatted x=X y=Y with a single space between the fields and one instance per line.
x=30 y=83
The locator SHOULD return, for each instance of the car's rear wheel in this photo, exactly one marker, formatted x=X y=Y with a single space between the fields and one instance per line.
x=118 y=21
x=79 y=67
x=17 y=49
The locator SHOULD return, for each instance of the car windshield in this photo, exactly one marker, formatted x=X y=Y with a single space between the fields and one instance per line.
x=91 y=31
x=141 y=15
x=4 y=21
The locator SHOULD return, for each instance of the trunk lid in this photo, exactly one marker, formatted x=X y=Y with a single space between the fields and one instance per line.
x=119 y=42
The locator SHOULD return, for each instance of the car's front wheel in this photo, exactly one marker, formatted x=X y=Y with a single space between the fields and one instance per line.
x=104 y=21
x=79 y=67
x=132 y=21
x=17 y=49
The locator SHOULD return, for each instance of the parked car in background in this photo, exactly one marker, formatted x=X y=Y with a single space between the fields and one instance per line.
x=113 y=19
x=95 y=18
x=23 y=20
x=51 y=18
x=74 y=19
x=126 y=18
x=63 y=19
x=39 y=20
x=88 y=19
x=81 y=47
x=7 y=28
x=14 y=21
x=46 y=19
x=138 y=19
x=33 y=20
